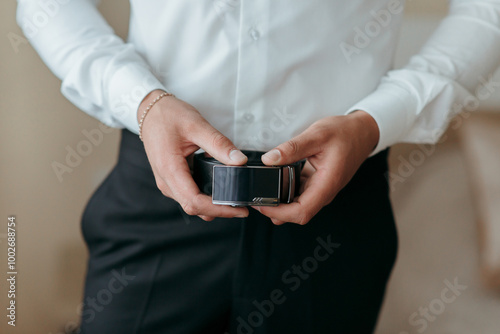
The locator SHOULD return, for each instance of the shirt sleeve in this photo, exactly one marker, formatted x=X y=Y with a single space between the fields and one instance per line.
x=100 y=73
x=453 y=70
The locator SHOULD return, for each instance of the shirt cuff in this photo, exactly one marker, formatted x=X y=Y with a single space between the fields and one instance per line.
x=127 y=89
x=390 y=106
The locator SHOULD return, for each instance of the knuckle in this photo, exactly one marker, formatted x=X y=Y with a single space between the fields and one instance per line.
x=192 y=207
x=304 y=218
x=219 y=140
x=276 y=222
x=165 y=193
x=162 y=186
x=291 y=147
x=189 y=209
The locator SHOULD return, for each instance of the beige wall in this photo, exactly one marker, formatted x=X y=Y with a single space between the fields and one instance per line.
x=37 y=124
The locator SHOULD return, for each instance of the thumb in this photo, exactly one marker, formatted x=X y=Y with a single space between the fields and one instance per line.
x=217 y=145
x=297 y=148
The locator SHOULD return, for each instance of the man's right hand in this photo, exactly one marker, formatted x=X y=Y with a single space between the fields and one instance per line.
x=172 y=131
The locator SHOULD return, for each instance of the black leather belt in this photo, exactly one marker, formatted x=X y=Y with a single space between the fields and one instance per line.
x=252 y=184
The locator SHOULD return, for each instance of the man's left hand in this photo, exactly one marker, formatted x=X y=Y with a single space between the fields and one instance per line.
x=334 y=147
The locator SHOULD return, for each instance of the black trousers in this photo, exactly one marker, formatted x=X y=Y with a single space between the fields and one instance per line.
x=153 y=269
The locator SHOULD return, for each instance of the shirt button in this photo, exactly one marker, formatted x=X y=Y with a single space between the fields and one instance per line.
x=248 y=117
x=255 y=34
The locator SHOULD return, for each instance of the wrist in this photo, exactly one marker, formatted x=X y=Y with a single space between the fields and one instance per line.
x=146 y=101
x=368 y=128
x=142 y=115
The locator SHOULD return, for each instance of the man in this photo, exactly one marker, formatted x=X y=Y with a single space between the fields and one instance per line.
x=301 y=80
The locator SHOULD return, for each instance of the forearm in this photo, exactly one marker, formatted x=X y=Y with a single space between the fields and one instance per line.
x=415 y=104
x=101 y=74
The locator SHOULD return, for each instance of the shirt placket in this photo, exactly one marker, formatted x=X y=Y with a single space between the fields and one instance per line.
x=252 y=72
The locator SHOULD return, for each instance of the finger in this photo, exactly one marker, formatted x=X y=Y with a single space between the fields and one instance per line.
x=307 y=170
x=277 y=221
x=206 y=218
x=300 y=147
x=317 y=194
x=273 y=220
x=185 y=191
x=217 y=145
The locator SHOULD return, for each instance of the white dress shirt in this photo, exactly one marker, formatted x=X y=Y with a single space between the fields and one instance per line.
x=262 y=71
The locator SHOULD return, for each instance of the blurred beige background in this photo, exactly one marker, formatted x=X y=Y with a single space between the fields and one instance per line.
x=438 y=205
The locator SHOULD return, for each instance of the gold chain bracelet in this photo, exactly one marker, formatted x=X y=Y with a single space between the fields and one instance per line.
x=141 y=121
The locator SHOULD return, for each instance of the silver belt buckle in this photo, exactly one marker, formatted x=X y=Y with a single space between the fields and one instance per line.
x=249 y=185
x=288 y=184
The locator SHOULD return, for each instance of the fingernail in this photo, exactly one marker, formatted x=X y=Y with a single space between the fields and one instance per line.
x=237 y=156
x=242 y=216
x=274 y=156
